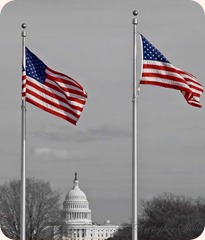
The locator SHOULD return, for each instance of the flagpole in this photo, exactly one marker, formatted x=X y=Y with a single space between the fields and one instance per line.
x=23 y=145
x=134 y=132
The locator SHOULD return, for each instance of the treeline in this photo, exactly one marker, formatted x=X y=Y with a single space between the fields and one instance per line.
x=167 y=217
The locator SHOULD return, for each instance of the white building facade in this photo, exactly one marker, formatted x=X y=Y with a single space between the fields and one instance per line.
x=76 y=216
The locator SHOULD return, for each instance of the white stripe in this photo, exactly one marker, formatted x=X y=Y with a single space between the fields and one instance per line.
x=65 y=92
x=48 y=106
x=24 y=81
x=53 y=91
x=192 y=85
x=182 y=75
x=163 y=73
x=67 y=78
x=52 y=100
x=196 y=91
x=72 y=103
x=23 y=76
x=192 y=81
x=165 y=81
x=65 y=84
x=195 y=102
x=166 y=72
x=193 y=97
x=158 y=63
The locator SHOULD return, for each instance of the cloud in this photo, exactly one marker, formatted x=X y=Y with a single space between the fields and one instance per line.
x=100 y=133
x=46 y=153
x=108 y=131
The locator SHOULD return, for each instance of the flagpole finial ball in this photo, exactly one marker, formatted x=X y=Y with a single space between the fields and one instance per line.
x=23 y=25
x=135 y=12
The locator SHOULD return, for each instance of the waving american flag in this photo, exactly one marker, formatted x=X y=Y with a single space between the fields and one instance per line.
x=157 y=70
x=52 y=91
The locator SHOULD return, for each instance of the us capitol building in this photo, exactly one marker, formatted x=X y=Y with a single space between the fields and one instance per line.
x=76 y=217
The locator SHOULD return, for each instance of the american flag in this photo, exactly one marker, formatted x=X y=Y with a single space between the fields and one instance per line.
x=52 y=91
x=157 y=70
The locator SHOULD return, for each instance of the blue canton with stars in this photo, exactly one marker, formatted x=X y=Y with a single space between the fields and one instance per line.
x=35 y=68
x=151 y=53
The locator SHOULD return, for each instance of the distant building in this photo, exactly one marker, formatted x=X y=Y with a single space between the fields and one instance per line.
x=76 y=216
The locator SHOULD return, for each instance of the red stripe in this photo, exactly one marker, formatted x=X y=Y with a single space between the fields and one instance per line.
x=172 y=78
x=187 y=73
x=161 y=67
x=64 y=81
x=196 y=94
x=193 y=84
x=195 y=104
x=56 y=88
x=60 y=107
x=54 y=98
x=195 y=88
x=23 y=86
x=63 y=75
x=171 y=69
x=164 y=85
x=180 y=80
x=63 y=89
x=53 y=95
x=163 y=76
x=192 y=80
x=189 y=76
x=78 y=100
x=51 y=111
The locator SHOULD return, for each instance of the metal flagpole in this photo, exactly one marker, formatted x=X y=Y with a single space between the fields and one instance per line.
x=23 y=145
x=134 y=133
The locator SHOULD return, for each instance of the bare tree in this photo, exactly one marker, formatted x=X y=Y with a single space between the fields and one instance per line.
x=42 y=209
x=171 y=217
x=167 y=217
x=123 y=233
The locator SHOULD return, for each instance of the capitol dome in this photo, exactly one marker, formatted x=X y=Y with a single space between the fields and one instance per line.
x=76 y=218
x=76 y=193
x=76 y=207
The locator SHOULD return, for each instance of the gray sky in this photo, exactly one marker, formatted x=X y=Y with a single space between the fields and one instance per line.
x=91 y=41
